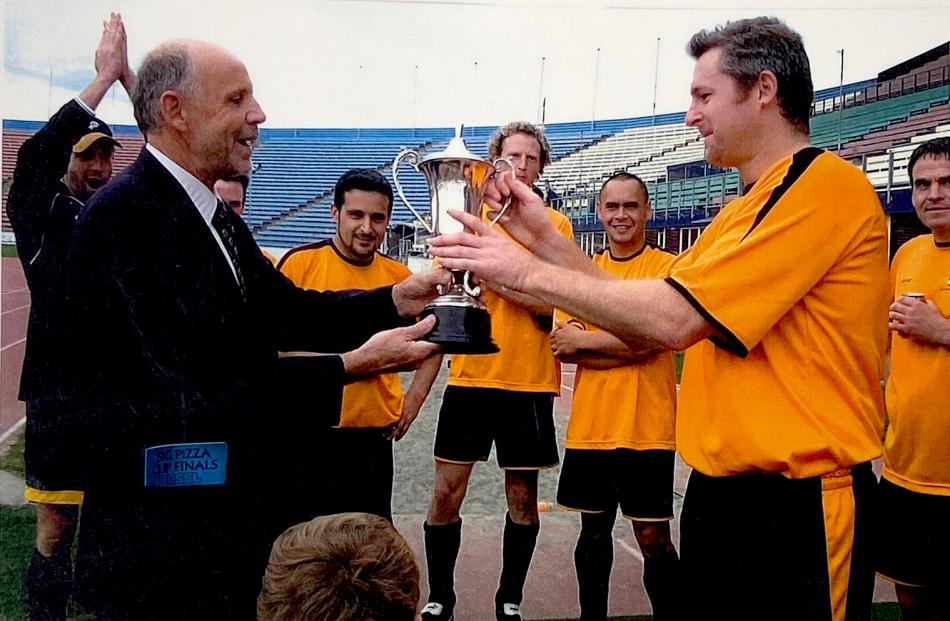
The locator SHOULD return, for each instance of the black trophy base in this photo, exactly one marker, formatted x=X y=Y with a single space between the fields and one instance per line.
x=461 y=329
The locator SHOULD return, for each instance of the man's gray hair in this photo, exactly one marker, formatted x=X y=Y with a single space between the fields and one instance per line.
x=751 y=46
x=166 y=68
x=498 y=137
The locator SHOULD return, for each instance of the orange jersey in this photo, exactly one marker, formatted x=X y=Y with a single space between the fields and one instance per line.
x=917 y=445
x=632 y=406
x=794 y=276
x=524 y=362
x=375 y=401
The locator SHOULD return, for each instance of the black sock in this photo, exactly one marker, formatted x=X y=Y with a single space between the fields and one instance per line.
x=48 y=583
x=516 y=552
x=593 y=560
x=660 y=578
x=442 y=550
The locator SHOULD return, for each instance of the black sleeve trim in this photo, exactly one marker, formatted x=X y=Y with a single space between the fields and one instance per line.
x=800 y=162
x=731 y=343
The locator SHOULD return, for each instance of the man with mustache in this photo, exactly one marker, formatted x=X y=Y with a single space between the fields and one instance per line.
x=58 y=169
x=374 y=411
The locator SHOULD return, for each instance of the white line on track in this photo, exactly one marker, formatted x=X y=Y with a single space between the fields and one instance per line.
x=14 y=343
x=13 y=310
x=629 y=548
x=567 y=387
x=6 y=291
x=12 y=430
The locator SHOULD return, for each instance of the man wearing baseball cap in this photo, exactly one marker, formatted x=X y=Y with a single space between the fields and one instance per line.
x=57 y=170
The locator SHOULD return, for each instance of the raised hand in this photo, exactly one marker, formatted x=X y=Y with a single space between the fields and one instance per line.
x=526 y=220
x=112 y=54
x=487 y=253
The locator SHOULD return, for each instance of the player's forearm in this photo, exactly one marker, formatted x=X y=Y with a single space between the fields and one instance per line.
x=423 y=379
x=563 y=252
x=594 y=360
x=605 y=343
x=528 y=302
x=644 y=314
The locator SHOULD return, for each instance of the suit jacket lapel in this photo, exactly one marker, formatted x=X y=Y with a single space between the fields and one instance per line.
x=183 y=212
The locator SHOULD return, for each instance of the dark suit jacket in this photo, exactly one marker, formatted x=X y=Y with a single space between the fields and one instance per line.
x=168 y=352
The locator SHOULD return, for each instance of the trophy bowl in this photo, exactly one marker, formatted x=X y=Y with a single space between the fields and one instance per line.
x=456 y=179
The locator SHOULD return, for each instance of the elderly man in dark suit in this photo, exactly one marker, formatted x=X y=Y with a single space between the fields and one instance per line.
x=179 y=320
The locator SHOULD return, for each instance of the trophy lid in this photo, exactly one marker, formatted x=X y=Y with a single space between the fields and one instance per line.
x=455 y=151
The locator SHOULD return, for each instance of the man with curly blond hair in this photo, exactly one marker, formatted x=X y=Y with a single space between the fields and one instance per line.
x=346 y=567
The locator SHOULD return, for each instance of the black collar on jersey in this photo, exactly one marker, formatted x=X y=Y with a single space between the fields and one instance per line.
x=625 y=259
x=800 y=163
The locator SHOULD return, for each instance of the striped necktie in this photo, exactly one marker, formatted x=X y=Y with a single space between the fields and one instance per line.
x=221 y=222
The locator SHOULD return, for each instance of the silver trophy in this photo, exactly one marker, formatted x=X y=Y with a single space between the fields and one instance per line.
x=456 y=179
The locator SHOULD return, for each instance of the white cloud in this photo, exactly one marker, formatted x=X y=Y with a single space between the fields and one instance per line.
x=351 y=63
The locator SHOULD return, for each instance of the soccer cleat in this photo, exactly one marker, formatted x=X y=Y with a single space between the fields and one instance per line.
x=508 y=612
x=434 y=611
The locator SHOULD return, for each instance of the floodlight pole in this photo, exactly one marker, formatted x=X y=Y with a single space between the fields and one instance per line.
x=49 y=99
x=656 y=77
x=475 y=89
x=541 y=90
x=840 y=97
x=593 y=111
x=415 y=97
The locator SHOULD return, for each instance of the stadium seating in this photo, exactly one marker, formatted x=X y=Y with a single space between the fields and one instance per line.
x=889 y=169
x=919 y=122
x=860 y=120
x=289 y=199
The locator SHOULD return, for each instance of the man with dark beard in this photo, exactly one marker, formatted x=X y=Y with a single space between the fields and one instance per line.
x=57 y=171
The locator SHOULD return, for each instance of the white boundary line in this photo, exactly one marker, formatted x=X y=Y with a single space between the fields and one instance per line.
x=12 y=430
x=16 y=290
x=13 y=310
x=629 y=548
x=14 y=343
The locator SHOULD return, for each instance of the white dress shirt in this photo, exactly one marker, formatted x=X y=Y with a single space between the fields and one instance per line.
x=204 y=199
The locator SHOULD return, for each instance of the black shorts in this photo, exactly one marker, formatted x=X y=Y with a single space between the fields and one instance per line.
x=912 y=536
x=54 y=453
x=641 y=482
x=761 y=546
x=521 y=424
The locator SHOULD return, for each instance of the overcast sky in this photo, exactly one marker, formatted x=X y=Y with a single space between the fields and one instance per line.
x=403 y=63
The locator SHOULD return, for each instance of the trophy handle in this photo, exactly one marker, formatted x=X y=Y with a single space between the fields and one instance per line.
x=413 y=158
x=511 y=167
x=467 y=285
